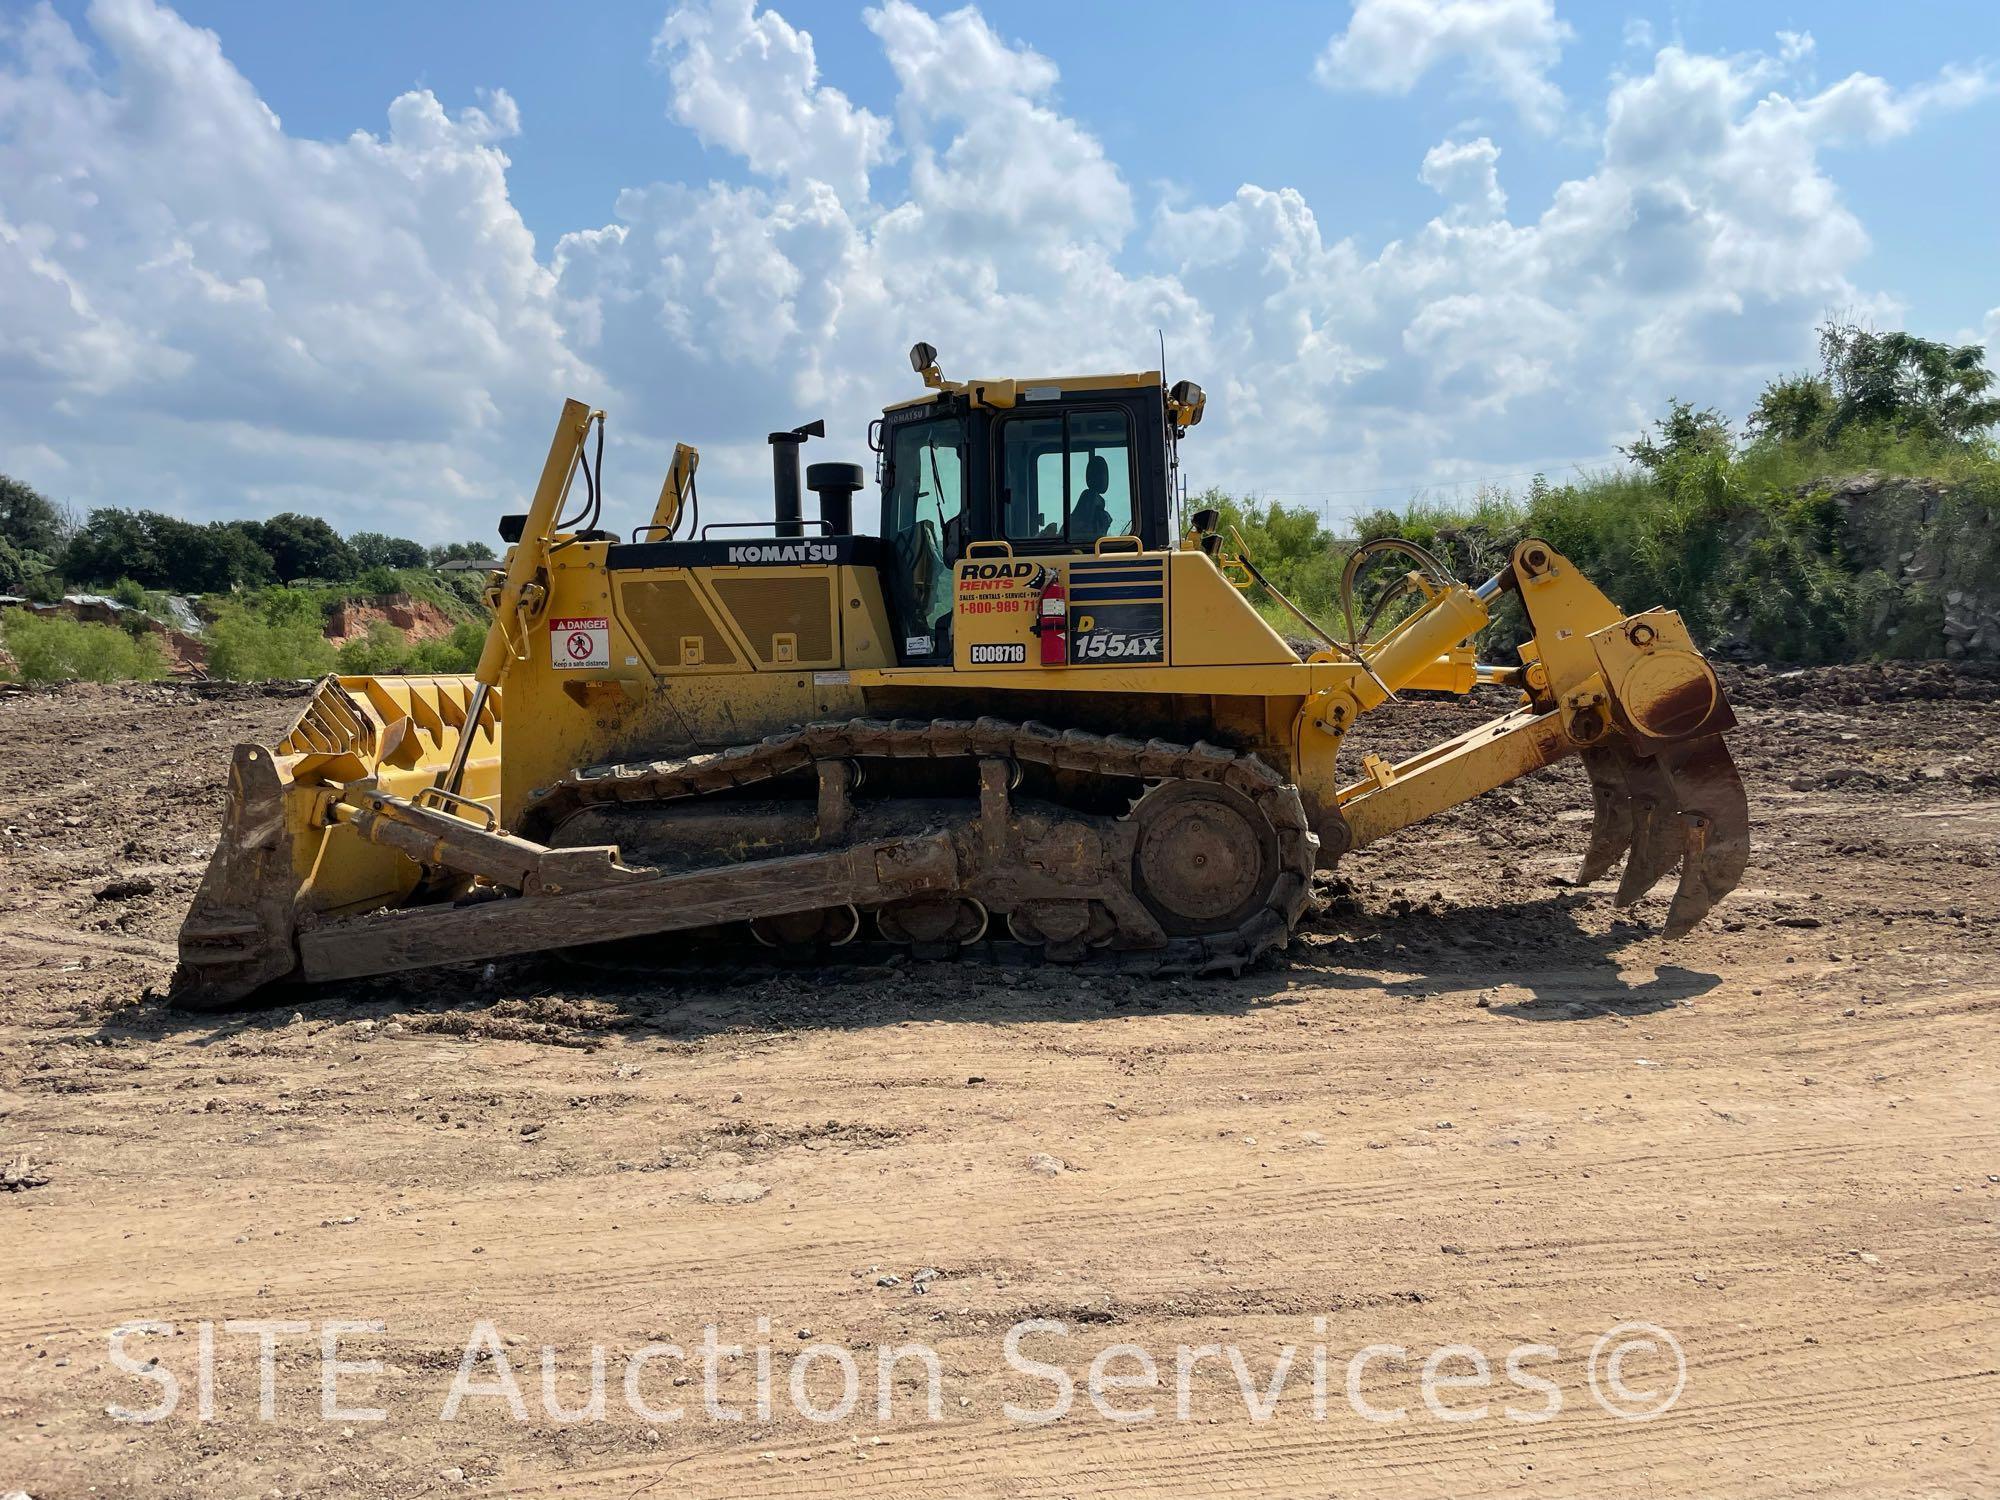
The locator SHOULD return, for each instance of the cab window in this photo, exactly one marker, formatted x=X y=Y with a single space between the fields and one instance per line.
x=1066 y=476
x=926 y=504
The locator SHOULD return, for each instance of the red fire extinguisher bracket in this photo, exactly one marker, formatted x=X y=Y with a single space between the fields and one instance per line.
x=1052 y=622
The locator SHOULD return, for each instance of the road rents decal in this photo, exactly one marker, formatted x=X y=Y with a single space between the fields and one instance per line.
x=579 y=643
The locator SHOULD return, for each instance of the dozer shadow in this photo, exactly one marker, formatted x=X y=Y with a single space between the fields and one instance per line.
x=1570 y=971
x=575 y=998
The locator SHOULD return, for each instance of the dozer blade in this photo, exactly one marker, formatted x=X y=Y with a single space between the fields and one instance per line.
x=278 y=862
x=1683 y=805
x=238 y=934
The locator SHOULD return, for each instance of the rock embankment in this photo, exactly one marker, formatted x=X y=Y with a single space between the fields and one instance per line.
x=1927 y=553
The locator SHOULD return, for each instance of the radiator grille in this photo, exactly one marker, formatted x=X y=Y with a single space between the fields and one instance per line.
x=663 y=611
x=767 y=607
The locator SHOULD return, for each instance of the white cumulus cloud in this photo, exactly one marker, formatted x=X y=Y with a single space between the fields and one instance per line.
x=203 y=312
x=1467 y=175
x=737 y=309
x=1506 y=46
x=749 y=83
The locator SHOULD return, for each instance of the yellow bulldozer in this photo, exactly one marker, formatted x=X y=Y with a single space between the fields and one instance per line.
x=1036 y=708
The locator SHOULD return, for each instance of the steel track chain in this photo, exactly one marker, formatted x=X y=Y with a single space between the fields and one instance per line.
x=1152 y=761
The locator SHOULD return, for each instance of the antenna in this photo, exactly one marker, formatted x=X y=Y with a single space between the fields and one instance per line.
x=1174 y=484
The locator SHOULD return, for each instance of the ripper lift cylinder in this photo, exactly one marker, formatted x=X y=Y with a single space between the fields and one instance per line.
x=1452 y=618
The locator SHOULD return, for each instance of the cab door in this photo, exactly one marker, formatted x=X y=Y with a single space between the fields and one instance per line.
x=925 y=462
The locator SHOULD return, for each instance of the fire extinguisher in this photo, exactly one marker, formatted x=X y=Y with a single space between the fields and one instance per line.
x=1052 y=621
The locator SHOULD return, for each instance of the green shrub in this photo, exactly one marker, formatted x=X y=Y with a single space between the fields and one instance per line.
x=1753 y=548
x=55 y=648
x=283 y=639
x=387 y=651
x=384 y=649
x=379 y=580
x=461 y=589
x=130 y=593
x=459 y=596
x=452 y=655
x=280 y=630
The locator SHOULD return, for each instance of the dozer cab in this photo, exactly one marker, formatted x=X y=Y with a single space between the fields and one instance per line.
x=1034 y=709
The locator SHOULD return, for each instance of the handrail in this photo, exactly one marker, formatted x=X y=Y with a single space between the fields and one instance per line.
x=825 y=526
x=453 y=801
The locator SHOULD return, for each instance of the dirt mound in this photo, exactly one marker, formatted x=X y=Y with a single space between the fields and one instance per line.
x=177 y=691
x=1859 y=683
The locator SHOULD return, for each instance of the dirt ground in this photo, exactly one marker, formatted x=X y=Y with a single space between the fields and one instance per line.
x=1475 y=1107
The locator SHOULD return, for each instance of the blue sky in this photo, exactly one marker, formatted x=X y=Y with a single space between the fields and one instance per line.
x=1177 y=111
x=1405 y=242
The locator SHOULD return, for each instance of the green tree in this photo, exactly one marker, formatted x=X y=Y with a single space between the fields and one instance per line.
x=164 y=552
x=1792 y=409
x=374 y=550
x=305 y=547
x=112 y=544
x=30 y=520
x=1685 y=435
x=189 y=559
x=248 y=564
x=191 y=556
x=459 y=552
x=1912 y=385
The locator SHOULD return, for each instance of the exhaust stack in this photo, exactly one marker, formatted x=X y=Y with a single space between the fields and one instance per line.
x=789 y=510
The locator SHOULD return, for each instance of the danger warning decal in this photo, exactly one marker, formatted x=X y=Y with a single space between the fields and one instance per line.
x=579 y=643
